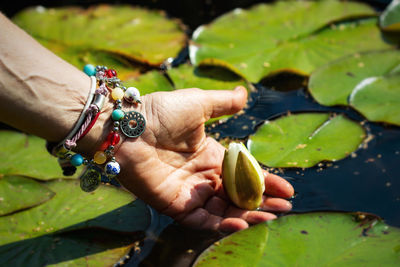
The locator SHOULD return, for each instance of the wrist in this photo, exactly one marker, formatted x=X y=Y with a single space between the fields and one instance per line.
x=97 y=136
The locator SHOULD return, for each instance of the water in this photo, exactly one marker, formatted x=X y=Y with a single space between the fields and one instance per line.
x=367 y=181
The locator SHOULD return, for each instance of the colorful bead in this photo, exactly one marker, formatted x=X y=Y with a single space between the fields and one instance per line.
x=111 y=73
x=76 y=160
x=100 y=157
x=112 y=168
x=117 y=93
x=89 y=69
x=132 y=95
x=113 y=138
x=117 y=114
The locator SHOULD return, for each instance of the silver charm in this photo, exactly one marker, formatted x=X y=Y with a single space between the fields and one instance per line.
x=133 y=124
x=90 y=179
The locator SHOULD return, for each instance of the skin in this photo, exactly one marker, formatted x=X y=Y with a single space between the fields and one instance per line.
x=173 y=166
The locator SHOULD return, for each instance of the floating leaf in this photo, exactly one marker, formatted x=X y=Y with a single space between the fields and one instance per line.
x=270 y=38
x=81 y=248
x=73 y=227
x=213 y=78
x=79 y=57
x=138 y=34
x=333 y=83
x=313 y=239
x=152 y=81
x=303 y=140
x=26 y=155
x=378 y=98
x=390 y=18
x=17 y=193
x=71 y=209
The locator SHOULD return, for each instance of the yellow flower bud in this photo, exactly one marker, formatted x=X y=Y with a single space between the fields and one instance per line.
x=242 y=177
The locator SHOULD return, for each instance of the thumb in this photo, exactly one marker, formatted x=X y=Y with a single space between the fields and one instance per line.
x=224 y=102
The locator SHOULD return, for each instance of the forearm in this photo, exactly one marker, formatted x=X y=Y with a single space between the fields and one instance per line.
x=39 y=93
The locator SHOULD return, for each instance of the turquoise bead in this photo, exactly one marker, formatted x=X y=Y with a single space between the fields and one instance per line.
x=117 y=114
x=89 y=69
x=76 y=160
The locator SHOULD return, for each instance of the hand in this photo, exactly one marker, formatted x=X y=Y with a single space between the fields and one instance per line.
x=176 y=169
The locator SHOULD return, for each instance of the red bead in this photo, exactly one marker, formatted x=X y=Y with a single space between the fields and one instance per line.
x=111 y=73
x=113 y=138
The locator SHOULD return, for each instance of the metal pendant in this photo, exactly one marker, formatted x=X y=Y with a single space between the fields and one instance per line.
x=133 y=124
x=90 y=179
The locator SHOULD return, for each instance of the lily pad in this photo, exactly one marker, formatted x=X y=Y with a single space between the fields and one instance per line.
x=150 y=82
x=378 y=98
x=75 y=227
x=269 y=38
x=303 y=140
x=333 y=83
x=80 y=248
x=72 y=209
x=26 y=155
x=313 y=239
x=206 y=78
x=79 y=57
x=390 y=18
x=143 y=35
x=18 y=193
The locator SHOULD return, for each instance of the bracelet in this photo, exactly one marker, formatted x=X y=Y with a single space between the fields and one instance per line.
x=54 y=147
x=103 y=167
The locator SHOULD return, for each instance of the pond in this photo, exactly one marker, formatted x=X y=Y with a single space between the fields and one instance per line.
x=366 y=180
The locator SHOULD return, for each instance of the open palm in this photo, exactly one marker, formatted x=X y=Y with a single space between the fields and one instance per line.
x=176 y=169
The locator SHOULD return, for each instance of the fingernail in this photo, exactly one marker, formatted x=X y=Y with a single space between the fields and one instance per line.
x=237 y=88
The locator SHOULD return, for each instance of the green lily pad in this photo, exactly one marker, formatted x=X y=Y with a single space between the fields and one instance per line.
x=333 y=83
x=390 y=18
x=79 y=57
x=150 y=82
x=282 y=36
x=26 y=155
x=74 y=228
x=378 y=98
x=18 y=193
x=313 y=239
x=303 y=140
x=206 y=78
x=135 y=33
x=80 y=248
x=72 y=209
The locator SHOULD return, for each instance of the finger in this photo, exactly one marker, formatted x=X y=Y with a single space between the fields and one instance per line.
x=223 y=102
x=201 y=219
x=251 y=217
x=230 y=225
x=216 y=206
x=277 y=186
x=272 y=204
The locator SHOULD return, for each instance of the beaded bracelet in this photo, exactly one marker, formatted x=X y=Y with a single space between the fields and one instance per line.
x=103 y=167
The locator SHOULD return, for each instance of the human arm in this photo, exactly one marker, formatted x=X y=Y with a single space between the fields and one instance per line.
x=173 y=166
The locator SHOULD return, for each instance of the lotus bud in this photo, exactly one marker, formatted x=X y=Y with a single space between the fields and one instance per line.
x=242 y=177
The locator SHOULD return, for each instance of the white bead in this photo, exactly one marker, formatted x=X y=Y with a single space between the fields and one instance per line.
x=112 y=168
x=132 y=95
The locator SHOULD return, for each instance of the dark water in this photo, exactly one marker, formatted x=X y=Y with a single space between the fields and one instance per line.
x=368 y=180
